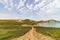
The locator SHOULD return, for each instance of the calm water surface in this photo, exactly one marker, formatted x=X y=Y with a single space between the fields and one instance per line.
x=53 y=24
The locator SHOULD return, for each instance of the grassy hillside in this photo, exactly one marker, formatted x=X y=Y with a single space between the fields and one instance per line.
x=12 y=31
x=12 y=28
x=53 y=32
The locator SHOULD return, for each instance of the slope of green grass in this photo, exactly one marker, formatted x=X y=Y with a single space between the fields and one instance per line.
x=12 y=31
x=53 y=32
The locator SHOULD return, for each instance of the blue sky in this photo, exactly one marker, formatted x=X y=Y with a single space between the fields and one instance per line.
x=30 y=9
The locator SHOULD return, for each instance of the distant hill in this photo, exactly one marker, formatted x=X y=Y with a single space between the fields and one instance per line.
x=48 y=21
x=26 y=22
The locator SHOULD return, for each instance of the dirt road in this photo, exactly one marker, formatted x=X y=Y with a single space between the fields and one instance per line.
x=33 y=35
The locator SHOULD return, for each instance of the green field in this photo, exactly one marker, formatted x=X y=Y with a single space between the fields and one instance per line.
x=12 y=29
x=53 y=32
x=7 y=32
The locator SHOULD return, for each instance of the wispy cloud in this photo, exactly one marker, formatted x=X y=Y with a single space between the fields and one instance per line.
x=21 y=3
x=25 y=7
x=41 y=5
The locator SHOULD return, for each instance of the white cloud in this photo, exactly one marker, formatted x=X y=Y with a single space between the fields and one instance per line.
x=36 y=1
x=57 y=3
x=23 y=10
x=36 y=7
x=5 y=1
x=1 y=1
x=52 y=7
x=8 y=4
x=21 y=3
x=29 y=6
x=11 y=4
x=48 y=8
x=41 y=4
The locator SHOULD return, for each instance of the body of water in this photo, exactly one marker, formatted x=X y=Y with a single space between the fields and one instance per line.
x=51 y=24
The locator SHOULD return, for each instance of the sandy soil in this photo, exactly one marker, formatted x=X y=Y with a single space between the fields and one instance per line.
x=33 y=35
